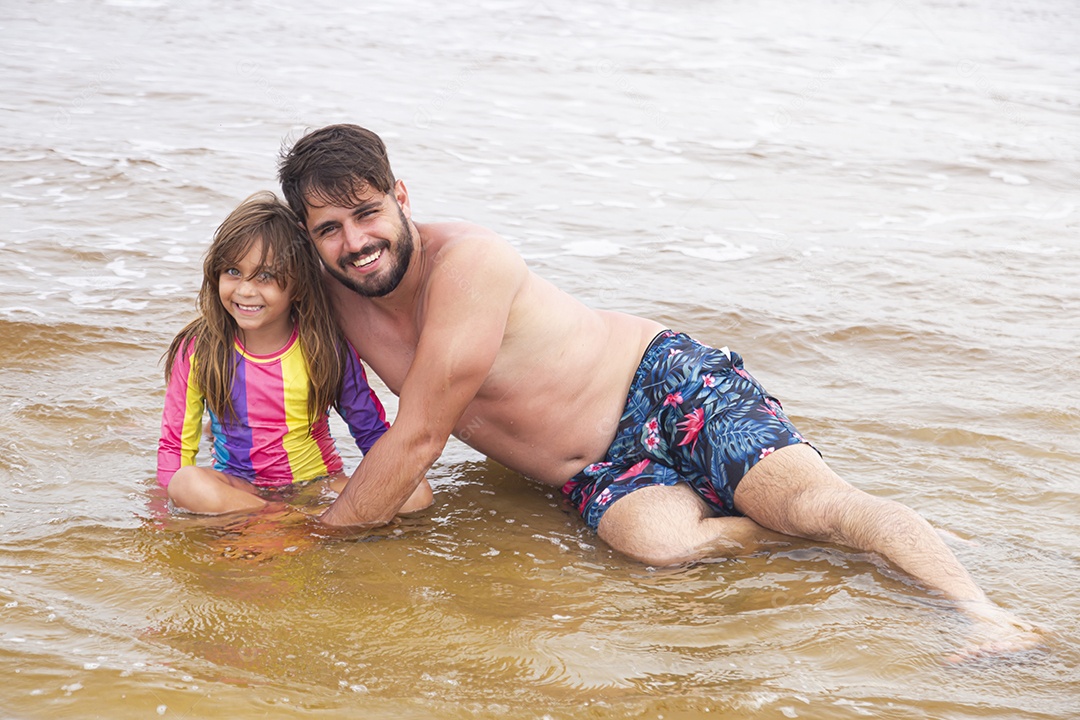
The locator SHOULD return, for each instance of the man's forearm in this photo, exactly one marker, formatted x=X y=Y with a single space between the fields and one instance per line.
x=384 y=480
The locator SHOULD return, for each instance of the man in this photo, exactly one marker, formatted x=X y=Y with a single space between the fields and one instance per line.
x=694 y=461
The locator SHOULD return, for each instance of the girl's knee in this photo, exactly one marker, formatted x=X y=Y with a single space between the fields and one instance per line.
x=181 y=480
x=188 y=485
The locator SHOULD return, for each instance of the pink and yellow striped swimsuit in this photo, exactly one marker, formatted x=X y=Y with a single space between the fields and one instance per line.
x=270 y=443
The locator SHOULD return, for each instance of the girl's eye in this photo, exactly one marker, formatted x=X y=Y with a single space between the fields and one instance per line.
x=232 y=272
x=265 y=276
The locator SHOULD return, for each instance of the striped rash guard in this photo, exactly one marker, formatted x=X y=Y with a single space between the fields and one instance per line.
x=270 y=443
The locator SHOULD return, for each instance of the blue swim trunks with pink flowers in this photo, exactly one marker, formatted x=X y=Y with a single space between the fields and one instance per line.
x=693 y=415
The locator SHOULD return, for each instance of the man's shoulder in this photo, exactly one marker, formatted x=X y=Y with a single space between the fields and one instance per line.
x=464 y=259
x=452 y=241
x=445 y=235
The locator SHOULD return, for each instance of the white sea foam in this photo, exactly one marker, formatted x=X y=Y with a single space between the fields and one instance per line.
x=120 y=268
x=1010 y=178
x=592 y=248
x=20 y=309
x=93 y=282
x=198 y=209
x=125 y=304
x=717 y=249
x=580 y=169
x=168 y=291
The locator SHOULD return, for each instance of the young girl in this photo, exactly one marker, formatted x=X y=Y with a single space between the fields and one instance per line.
x=267 y=360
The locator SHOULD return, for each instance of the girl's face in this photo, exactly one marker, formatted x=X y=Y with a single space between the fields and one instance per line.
x=260 y=306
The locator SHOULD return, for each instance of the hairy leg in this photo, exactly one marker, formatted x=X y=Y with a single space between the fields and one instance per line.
x=669 y=524
x=210 y=492
x=794 y=492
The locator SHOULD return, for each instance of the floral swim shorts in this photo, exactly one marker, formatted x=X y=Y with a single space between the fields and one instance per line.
x=693 y=415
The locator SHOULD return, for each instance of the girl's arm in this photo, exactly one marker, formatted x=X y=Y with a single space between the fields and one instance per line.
x=358 y=404
x=181 y=420
x=362 y=411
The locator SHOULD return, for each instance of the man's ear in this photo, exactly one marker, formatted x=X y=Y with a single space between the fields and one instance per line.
x=401 y=194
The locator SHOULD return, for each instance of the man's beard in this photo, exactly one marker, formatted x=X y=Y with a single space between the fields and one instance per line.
x=377 y=287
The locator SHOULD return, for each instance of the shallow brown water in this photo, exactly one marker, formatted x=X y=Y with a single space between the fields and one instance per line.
x=875 y=203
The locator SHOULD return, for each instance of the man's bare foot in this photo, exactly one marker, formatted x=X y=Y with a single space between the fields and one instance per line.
x=995 y=632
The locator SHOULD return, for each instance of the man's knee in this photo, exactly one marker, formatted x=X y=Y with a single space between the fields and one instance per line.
x=657 y=525
x=654 y=550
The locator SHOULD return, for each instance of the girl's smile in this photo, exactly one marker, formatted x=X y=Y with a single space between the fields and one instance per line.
x=253 y=296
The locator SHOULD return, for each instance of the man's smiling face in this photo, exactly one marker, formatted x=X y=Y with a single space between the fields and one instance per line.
x=367 y=246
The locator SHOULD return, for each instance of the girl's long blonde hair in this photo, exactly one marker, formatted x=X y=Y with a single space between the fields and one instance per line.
x=287 y=254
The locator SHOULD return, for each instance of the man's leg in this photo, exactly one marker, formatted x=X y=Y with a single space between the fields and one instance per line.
x=794 y=492
x=669 y=524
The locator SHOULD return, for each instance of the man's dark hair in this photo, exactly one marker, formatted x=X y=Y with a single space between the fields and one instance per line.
x=334 y=165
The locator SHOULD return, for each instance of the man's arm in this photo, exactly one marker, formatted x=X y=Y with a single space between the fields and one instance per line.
x=466 y=307
x=421 y=498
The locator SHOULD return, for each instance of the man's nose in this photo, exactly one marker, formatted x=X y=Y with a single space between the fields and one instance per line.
x=355 y=239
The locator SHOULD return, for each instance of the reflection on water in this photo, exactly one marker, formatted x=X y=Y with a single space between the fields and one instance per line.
x=874 y=203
